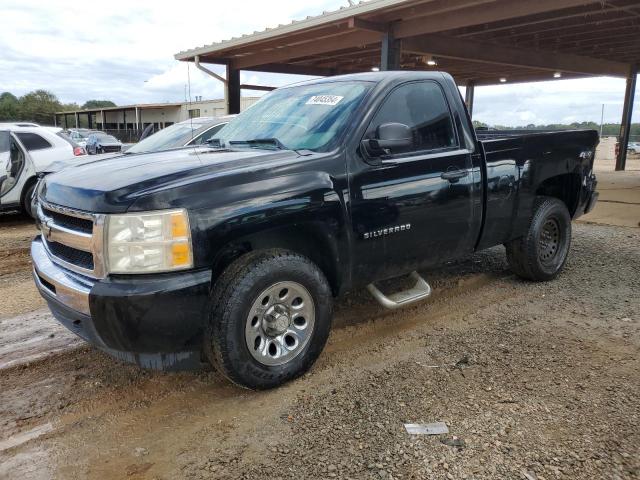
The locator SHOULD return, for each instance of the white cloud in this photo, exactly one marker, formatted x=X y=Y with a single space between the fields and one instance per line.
x=123 y=50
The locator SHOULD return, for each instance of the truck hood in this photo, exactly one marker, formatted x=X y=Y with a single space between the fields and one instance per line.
x=59 y=165
x=113 y=184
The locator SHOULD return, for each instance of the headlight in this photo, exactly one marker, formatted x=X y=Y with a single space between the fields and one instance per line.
x=149 y=242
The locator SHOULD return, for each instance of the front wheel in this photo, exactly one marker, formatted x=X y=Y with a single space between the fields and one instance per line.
x=27 y=200
x=270 y=318
x=542 y=252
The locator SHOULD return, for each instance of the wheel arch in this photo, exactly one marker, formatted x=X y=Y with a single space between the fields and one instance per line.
x=307 y=239
x=565 y=187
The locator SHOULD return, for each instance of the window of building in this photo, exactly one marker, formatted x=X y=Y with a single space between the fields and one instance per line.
x=423 y=108
x=32 y=141
x=195 y=113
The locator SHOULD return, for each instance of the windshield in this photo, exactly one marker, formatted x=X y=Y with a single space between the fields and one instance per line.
x=171 y=137
x=79 y=134
x=306 y=117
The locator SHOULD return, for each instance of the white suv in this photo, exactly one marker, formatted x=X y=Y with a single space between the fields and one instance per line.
x=26 y=152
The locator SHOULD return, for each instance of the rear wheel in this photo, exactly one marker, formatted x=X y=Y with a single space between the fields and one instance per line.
x=270 y=318
x=542 y=252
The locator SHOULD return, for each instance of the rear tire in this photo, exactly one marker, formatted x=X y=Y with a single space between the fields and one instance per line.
x=270 y=319
x=541 y=254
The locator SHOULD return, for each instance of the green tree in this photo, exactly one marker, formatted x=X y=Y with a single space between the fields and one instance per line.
x=39 y=106
x=9 y=107
x=90 y=104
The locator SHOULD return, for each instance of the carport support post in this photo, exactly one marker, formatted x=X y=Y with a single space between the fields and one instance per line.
x=233 y=90
x=627 y=113
x=390 y=55
x=77 y=119
x=469 y=95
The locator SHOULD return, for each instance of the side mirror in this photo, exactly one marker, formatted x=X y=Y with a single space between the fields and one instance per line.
x=390 y=138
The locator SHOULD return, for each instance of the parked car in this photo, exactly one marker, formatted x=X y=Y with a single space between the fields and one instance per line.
x=233 y=252
x=99 y=142
x=80 y=135
x=195 y=131
x=634 y=147
x=26 y=153
x=5 y=125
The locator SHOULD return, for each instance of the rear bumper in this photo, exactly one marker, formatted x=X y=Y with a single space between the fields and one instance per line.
x=154 y=321
x=591 y=203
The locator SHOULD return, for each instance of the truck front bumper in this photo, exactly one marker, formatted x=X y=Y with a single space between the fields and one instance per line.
x=155 y=321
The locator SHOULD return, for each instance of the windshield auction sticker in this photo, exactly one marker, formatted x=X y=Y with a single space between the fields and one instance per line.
x=324 y=100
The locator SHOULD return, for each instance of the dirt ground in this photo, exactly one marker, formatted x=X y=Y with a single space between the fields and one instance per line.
x=535 y=381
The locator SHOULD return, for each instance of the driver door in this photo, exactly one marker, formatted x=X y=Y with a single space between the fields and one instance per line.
x=415 y=207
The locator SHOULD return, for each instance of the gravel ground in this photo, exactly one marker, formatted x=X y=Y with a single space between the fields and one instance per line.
x=535 y=381
x=16 y=285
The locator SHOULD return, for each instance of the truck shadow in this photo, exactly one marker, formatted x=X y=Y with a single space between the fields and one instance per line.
x=448 y=280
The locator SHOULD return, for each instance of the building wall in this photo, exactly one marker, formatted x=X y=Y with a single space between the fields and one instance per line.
x=159 y=116
x=147 y=115
x=213 y=108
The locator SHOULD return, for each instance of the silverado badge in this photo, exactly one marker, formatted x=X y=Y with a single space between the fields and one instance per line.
x=387 y=231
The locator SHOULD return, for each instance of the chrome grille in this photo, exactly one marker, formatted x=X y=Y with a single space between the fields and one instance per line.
x=73 y=239
x=72 y=255
x=83 y=225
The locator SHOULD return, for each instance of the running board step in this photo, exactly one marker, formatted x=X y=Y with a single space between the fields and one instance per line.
x=419 y=291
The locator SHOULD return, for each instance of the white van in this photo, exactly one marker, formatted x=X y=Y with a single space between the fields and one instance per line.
x=26 y=152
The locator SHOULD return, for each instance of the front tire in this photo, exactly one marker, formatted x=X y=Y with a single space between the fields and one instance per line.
x=270 y=319
x=541 y=254
x=26 y=200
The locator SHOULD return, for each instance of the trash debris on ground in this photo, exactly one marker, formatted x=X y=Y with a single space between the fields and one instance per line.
x=140 y=452
x=436 y=428
x=453 y=442
x=529 y=475
x=464 y=361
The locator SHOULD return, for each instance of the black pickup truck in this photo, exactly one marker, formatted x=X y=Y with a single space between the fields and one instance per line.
x=231 y=253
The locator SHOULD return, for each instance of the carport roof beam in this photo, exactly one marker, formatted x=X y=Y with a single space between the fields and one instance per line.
x=518 y=39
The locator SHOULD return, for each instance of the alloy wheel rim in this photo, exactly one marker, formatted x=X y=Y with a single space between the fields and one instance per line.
x=280 y=323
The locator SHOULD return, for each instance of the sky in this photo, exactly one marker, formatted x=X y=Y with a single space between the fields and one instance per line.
x=122 y=50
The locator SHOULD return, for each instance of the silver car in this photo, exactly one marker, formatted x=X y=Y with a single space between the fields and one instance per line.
x=194 y=131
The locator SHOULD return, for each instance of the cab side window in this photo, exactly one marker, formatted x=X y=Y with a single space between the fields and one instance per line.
x=423 y=108
x=33 y=141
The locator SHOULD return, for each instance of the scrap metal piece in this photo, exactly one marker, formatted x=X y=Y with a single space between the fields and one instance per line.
x=436 y=428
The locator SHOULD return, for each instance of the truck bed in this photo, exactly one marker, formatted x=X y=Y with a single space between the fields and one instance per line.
x=517 y=164
x=498 y=134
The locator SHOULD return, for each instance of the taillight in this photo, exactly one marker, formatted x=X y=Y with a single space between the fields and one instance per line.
x=77 y=151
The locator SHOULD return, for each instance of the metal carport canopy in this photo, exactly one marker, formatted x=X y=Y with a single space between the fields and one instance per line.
x=480 y=42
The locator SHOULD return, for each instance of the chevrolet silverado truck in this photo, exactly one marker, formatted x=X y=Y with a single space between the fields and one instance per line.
x=232 y=253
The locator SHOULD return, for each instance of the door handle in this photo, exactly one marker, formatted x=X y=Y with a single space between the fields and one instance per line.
x=454 y=175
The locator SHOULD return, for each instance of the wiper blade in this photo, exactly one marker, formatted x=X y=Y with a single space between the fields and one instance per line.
x=214 y=143
x=261 y=141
